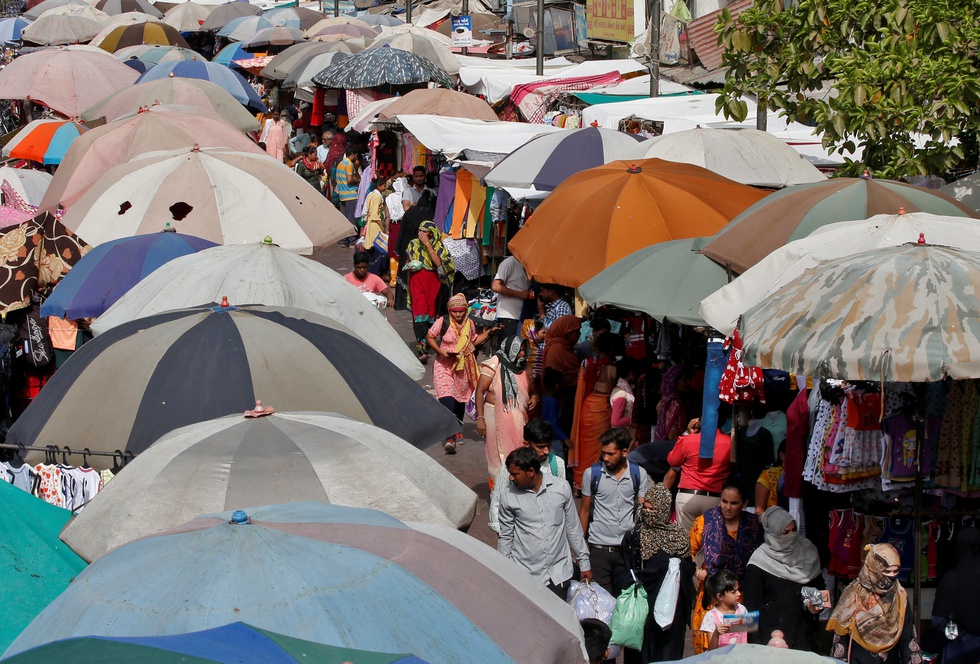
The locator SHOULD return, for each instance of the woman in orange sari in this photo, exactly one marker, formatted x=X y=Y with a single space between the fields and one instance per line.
x=593 y=412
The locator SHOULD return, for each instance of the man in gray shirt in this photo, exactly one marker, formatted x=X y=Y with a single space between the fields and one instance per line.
x=538 y=524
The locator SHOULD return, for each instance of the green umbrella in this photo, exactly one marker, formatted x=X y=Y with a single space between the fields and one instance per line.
x=666 y=280
x=34 y=564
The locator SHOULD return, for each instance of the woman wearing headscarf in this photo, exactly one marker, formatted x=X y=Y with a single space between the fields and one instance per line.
x=429 y=264
x=506 y=387
x=593 y=412
x=559 y=355
x=672 y=417
x=393 y=202
x=872 y=623
x=774 y=578
x=647 y=551
x=338 y=148
x=413 y=218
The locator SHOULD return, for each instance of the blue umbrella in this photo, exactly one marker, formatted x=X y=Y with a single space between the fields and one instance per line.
x=139 y=65
x=10 y=29
x=231 y=81
x=230 y=53
x=108 y=271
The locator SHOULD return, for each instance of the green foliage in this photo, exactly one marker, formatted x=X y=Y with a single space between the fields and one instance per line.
x=870 y=73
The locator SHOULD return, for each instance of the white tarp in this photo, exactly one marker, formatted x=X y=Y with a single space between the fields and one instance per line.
x=453 y=135
x=640 y=85
x=495 y=83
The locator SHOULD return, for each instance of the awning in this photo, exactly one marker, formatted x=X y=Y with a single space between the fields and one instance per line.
x=451 y=136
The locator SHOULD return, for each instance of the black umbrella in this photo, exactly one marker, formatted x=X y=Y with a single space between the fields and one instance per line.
x=381 y=66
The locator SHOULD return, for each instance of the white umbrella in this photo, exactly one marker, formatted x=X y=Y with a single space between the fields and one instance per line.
x=722 y=308
x=428 y=47
x=59 y=29
x=42 y=7
x=28 y=183
x=187 y=16
x=260 y=273
x=965 y=190
x=748 y=156
x=409 y=29
x=70 y=9
x=236 y=461
x=302 y=75
x=221 y=195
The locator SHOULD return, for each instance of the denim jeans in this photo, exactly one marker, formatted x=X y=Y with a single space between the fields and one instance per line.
x=713 y=368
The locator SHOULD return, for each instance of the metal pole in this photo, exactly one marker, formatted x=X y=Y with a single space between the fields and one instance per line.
x=336 y=8
x=466 y=12
x=408 y=12
x=539 y=47
x=655 y=48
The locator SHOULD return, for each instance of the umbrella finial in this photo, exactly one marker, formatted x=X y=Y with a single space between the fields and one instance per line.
x=901 y=210
x=171 y=75
x=260 y=410
x=594 y=123
x=239 y=518
x=634 y=168
x=922 y=238
x=196 y=148
x=267 y=239
x=168 y=229
x=224 y=302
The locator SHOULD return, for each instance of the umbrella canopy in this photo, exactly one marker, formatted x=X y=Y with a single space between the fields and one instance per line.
x=149 y=32
x=56 y=29
x=831 y=242
x=965 y=190
x=382 y=20
x=353 y=577
x=44 y=141
x=189 y=93
x=36 y=566
x=225 y=196
x=11 y=28
x=793 y=213
x=666 y=281
x=237 y=460
x=298 y=18
x=277 y=36
x=230 y=81
x=439 y=101
x=71 y=9
x=138 y=65
x=261 y=273
x=113 y=7
x=157 y=53
x=187 y=17
x=904 y=314
x=283 y=64
x=41 y=7
x=244 y=27
x=429 y=48
x=353 y=44
x=109 y=270
x=348 y=30
x=748 y=653
x=227 y=55
x=28 y=183
x=236 y=642
x=410 y=29
x=603 y=214
x=222 y=14
x=338 y=20
x=748 y=156
x=291 y=359
x=382 y=66
x=119 y=20
x=151 y=130
x=481 y=22
x=302 y=74
x=547 y=160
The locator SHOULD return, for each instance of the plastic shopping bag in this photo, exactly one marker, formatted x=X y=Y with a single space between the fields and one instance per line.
x=665 y=605
x=630 y=617
x=591 y=601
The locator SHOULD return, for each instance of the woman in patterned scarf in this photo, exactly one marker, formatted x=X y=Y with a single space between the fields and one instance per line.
x=429 y=264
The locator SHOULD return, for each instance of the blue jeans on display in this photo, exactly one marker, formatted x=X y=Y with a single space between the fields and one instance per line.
x=713 y=368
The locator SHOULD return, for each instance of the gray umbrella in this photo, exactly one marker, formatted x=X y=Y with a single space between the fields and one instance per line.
x=382 y=66
x=225 y=13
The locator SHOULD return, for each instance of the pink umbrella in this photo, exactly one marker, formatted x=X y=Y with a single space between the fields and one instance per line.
x=65 y=80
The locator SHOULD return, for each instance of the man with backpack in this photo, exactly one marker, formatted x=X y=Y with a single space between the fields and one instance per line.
x=537 y=436
x=612 y=491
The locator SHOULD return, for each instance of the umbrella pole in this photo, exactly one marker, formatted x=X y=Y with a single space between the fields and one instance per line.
x=920 y=435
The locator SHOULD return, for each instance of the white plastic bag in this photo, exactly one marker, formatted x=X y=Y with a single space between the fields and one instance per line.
x=666 y=603
x=590 y=600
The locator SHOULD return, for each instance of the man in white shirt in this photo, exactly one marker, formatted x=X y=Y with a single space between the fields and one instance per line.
x=511 y=284
x=413 y=193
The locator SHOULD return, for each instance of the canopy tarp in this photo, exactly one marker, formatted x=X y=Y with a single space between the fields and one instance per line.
x=495 y=83
x=453 y=135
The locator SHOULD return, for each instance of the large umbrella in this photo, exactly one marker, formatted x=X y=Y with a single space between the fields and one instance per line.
x=114 y=7
x=109 y=270
x=722 y=309
x=36 y=567
x=547 y=160
x=225 y=196
x=348 y=31
x=243 y=27
x=11 y=28
x=236 y=460
x=382 y=20
x=411 y=29
x=382 y=66
x=117 y=21
x=41 y=7
x=302 y=74
x=748 y=653
x=283 y=64
x=187 y=17
x=157 y=53
x=52 y=30
x=905 y=314
x=666 y=281
x=149 y=32
x=154 y=129
x=230 y=81
x=277 y=37
x=71 y=9
x=429 y=48
x=44 y=141
x=439 y=101
x=227 y=55
x=298 y=18
x=338 y=20
x=795 y=212
x=603 y=214
x=223 y=14
x=965 y=190
x=185 y=92
x=748 y=156
x=236 y=642
x=346 y=576
x=28 y=183
x=191 y=365
x=261 y=273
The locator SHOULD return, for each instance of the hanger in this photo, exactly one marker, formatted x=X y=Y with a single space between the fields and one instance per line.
x=85 y=454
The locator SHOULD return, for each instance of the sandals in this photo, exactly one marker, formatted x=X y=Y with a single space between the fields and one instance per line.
x=450 y=446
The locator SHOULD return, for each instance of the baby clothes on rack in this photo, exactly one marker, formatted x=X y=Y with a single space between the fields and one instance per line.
x=23 y=476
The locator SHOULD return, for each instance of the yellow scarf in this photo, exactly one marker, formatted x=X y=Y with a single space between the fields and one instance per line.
x=465 y=353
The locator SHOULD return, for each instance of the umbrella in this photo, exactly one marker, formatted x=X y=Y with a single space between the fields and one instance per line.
x=222 y=14
x=243 y=27
x=346 y=31
x=154 y=129
x=60 y=29
x=292 y=359
x=298 y=18
x=35 y=565
x=138 y=65
x=354 y=44
x=227 y=55
x=382 y=66
x=28 y=183
x=71 y=9
x=263 y=274
x=189 y=93
x=666 y=281
x=283 y=64
x=795 y=212
x=107 y=272
x=748 y=156
x=129 y=18
x=965 y=190
x=547 y=160
x=905 y=314
x=187 y=17
x=338 y=20
x=439 y=101
x=44 y=141
x=114 y=7
x=382 y=20
x=831 y=242
x=41 y=7
x=748 y=653
x=230 y=81
x=157 y=53
x=11 y=28
x=221 y=195
x=346 y=576
x=236 y=460
x=275 y=37
x=236 y=642
x=302 y=74
x=603 y=214
x=430 y=49
x=410 y=29
x=481 y=22
x=149 y=32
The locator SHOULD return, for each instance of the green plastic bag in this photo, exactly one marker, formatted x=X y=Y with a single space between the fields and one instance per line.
x=630 y=617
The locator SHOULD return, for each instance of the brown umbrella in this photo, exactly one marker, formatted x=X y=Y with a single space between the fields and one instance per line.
x=795 y=212
x=480 y=22
x=113 y=7
x=439 y=101
x=282 y=64
x=150 y=32
x=225 y=13
x=348 y=30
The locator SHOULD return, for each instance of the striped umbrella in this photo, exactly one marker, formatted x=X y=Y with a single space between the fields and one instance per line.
x=299 y=18
x=187 y=17
x=11 y=28
x=283 y=64
x=154 y=54
x=150 y=32
x=382 y=66
x=113 y=7
x=193 y=365
x=277 y=38
x=244 y=27
x=44 y=141
x=224 y=13
x=302 y=74
x=230 y=81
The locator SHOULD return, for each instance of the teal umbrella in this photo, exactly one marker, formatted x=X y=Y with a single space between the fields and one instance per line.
x=667 y=281
x=34 y=564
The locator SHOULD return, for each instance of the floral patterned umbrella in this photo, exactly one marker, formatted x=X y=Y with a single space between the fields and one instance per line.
x=382 y=66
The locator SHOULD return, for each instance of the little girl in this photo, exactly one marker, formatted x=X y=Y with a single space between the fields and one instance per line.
x=722 y=590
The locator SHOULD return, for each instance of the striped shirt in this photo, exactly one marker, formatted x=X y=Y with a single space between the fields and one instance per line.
x=345 y=172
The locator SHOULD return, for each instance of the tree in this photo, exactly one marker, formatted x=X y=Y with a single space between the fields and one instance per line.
x=892 y=71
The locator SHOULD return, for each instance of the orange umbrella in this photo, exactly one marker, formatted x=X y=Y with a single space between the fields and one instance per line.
x=603 y=214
